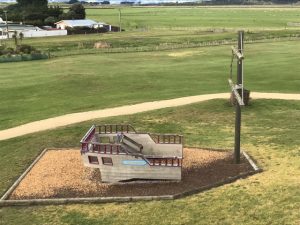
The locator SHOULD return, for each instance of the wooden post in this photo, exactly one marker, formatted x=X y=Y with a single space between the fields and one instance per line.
x=120 y=20
x=238 y=115
x=7 y=34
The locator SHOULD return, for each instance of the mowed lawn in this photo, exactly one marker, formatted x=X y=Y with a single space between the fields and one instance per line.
x=40 y=89
x=270 y=129
x=271 y=197
x=149 y=18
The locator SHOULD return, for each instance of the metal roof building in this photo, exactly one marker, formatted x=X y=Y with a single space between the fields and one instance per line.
x=63 y=24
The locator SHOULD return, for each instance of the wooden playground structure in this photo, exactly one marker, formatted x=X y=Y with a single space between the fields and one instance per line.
x=121 y=153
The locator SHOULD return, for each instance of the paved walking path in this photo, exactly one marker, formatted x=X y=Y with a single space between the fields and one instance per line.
x=72 y=118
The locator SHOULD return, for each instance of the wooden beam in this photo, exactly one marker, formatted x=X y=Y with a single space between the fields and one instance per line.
x=235 y=92
x=236 y=52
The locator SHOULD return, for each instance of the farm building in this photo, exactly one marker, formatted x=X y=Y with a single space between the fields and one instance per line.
x=64 y=24
x=27 y=30
x=121 y=153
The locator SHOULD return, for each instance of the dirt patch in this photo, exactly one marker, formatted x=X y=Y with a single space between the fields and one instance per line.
x=184 y=54
x=60 y=173
x=101 y=45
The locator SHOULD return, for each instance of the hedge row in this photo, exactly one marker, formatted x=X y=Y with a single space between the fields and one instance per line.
x=23 y=57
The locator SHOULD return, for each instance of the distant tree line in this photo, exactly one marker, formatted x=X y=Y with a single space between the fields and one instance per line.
x=249 y=2
x=104 y=2
x=219 y=2
x=37 y=12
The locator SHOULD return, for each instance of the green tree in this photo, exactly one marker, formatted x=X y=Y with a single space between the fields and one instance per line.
x=33 y=12
x=73 y=1
x=77 y=11
x=33 y=2
x=50 y=20
x=55 y=11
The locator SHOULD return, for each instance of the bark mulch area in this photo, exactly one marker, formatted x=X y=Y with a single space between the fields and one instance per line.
x=61 y=174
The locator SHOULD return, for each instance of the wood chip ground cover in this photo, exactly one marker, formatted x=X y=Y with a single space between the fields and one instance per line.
x=61 y=174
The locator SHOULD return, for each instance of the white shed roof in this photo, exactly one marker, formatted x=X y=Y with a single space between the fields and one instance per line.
x=78 y=23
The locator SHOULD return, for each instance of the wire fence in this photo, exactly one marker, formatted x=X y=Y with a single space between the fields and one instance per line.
x=169 y=46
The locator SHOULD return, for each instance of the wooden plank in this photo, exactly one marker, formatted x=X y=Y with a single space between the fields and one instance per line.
x=235 y=92
x=239 y=55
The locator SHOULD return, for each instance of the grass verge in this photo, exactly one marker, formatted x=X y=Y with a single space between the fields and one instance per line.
x=43 y=89
x=271 y=197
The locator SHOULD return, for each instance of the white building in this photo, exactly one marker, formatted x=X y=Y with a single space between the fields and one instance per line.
x=28 y=31
x=63 y=24
x=44 y=33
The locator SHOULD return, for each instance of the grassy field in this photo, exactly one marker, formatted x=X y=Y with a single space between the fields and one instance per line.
x=149 y=65
x=163 y=55
x=271 y=197
x=187 y=18
x=41 y=89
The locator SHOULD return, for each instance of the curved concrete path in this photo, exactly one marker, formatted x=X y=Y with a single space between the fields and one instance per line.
x=72 y=118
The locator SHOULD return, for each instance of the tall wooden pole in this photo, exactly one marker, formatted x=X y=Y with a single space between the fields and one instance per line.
x=238 y=115
x=5 y=12
x=120 y=20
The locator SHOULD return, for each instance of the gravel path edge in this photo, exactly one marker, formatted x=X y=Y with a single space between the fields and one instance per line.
x=17 y=182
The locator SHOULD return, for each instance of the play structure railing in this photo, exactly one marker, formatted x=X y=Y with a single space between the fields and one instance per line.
x=167 y=138
x=87 y=138
x=164 y=162
x=107 y=148
x=115 y=128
